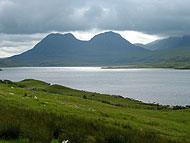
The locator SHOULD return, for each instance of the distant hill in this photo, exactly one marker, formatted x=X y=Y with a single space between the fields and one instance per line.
x=171 y=42
x=170 y=56
x=9 y=63
x=107 y=48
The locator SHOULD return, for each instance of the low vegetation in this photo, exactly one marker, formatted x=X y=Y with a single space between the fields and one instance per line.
x=33 y=111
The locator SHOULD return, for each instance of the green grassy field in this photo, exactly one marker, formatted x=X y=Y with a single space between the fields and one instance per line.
x=33 y=111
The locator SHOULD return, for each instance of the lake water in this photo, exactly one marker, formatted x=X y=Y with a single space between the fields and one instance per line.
x=164 y=86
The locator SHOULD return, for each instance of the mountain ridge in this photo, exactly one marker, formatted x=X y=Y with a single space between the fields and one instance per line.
x=104 y=48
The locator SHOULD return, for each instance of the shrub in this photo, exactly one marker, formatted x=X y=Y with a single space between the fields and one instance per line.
x=84 y=96
x=9 y=130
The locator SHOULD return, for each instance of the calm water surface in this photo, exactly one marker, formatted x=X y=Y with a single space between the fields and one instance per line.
x=164 y=86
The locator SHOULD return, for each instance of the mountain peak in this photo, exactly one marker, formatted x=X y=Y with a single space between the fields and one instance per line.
x=69 y=35
x=107 y=35
x=58 y=35
x=111 y=33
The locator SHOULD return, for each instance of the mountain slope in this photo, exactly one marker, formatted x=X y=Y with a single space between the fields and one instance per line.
x=171 y=56
x=102 y=49
x=171 y=42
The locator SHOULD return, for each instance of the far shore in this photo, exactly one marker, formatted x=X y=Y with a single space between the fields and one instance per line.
x=139 y=67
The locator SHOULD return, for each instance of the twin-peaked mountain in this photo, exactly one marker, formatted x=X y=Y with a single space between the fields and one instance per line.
x=107 y=48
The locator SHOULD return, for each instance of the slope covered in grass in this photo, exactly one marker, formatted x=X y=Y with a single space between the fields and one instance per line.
x=35 y=111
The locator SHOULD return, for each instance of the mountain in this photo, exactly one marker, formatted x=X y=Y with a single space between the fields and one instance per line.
x=175 y=50
x=140 y=45
x=107 y=48
x=171 y=55
x=171 y=42
x=9 y=63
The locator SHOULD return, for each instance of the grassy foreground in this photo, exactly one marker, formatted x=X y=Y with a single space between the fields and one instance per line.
x=33 y=111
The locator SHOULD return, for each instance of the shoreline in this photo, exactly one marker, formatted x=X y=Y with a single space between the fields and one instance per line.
x=108 y=67
x=146 y=67
x=45 y=105
x=158 y=100
x=110 y=95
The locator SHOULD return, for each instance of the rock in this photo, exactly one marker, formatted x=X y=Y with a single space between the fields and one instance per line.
x=26 y=95
x=65 y=141
x=32 y=89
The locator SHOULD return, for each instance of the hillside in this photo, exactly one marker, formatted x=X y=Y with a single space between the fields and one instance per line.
x=65 y=50
x=171 y=52
x=171 y=42
x=35 y=111
x=169 y=58
x=10 y=63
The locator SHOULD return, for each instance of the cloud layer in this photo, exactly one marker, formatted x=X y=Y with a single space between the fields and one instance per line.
x=11 y=44
x=23 y=23
x=165 y=17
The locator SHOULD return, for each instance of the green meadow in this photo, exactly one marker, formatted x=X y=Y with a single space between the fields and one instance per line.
x=33 y=111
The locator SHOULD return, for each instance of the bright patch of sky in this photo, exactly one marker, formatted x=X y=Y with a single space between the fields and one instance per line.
x=131 y=36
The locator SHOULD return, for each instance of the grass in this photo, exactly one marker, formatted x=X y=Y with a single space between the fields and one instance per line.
x=37 y=112
x=14 y=141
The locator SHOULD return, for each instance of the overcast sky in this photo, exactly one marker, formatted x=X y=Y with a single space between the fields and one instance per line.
x=23 y=23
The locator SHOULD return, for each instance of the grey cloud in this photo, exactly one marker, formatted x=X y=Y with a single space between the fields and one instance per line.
x=16 y=44
x=165 y=17
x=11 y=44
x=10 y=51
x=21 y=37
